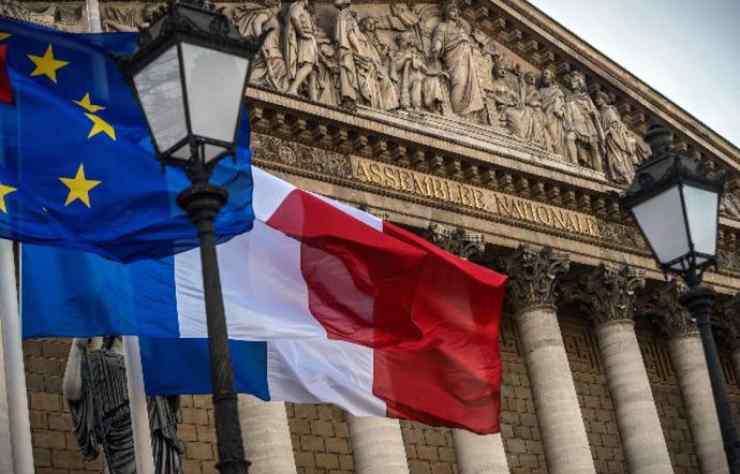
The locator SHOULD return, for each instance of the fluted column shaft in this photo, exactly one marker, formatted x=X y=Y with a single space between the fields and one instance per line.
x=687 y=356
x=639 y=425
x=266 y=436
x=561 y=423
x=377 y=444
x=533 y=275
x=480 y=454
x=608 y=294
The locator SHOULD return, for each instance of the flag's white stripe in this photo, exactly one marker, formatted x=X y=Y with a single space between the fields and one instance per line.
x=268 y=194
x=265 y=295
x=323 y=371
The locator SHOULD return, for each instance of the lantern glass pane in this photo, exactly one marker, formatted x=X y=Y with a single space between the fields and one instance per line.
x=160 y=90
x=211 y=152
x=662 y=221
x=215 y=83
x=701 y=212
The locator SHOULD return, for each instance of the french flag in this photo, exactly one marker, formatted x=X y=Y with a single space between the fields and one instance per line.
x=324 y=304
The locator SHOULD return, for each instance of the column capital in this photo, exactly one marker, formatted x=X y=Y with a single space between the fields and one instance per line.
x=455 y=240
x=533 y=276
x=608 y=291
x=673 y=318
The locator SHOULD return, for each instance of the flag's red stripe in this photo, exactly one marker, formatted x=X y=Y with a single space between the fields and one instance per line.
x=6 y=92
x=432 y=318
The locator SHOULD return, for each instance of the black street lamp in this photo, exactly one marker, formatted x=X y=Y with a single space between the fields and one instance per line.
x=189 y=75
x=676 y=206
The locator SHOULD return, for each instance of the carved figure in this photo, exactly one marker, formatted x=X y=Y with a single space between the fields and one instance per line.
x=619 y=143
x=301 y=49
x=553 y=106
x=503 y=99
x=403 y=18
x=532 y=118
x=96 y=390
x=420 y=85
x=452 y=44
x=268 y=68
x=584 y=134
x=361 y=75
x=13 y=9
x=128 y=19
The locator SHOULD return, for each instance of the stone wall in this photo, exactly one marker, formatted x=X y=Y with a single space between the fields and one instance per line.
x=320 y=435
x=320 y=438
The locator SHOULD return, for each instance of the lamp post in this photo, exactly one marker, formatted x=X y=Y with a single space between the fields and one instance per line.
x=676 y=206
x=189 y=75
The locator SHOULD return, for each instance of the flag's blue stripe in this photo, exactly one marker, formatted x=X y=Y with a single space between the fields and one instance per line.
x=181 y=366
x=68 y=293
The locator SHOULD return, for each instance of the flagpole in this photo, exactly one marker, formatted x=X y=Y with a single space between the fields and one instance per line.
x=134 y=372
x=15 y=375
x=139 y=409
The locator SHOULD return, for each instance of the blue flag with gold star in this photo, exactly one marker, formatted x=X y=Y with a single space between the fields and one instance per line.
x=77 y=165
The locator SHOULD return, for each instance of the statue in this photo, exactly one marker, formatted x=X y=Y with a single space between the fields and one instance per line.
x=95 y=388
x=268 y=68
x=380 y=54
x=452 y=44
x=361 y=76
x=531 y=126
x=420 y=85
x=583 y=132
x=301 y=49
x=503 y=99
x=128 y=19
x=620 y=146
x=553 y=106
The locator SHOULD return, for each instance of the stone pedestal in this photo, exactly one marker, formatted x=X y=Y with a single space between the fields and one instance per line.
x=687 y=356
x=378 y=446
x=266 y=436
x=477 y=454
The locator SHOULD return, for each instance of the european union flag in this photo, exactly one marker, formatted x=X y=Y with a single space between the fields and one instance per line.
x=77 y=166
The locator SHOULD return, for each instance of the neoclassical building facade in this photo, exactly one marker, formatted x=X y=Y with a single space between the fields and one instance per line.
x=503 y=138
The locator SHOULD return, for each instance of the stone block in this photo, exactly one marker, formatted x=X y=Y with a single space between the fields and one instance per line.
x=327 y=461
x=427 y=453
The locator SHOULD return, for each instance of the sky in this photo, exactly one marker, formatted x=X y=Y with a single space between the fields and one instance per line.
x=688 y=50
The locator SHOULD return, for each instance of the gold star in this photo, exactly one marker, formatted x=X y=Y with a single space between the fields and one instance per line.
x=79 y=187
x=47 y=65
x=100 y=126
x=4 y=191
x=87 y=105
x=4 y=36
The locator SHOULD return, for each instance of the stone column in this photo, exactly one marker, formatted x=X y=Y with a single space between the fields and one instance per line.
x=377 y=444
x=478 y=454
x=609 y=294
x=534 y=274
x=689 y=363
x=266 y=436
x=729 y=335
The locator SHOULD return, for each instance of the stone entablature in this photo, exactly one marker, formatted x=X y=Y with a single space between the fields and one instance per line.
x=489 y=154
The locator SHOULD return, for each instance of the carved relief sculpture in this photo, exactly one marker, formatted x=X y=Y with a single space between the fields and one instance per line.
x=420 y=85
x=553 y=106
x=269 y=68
x=532 y=118
x=584 y=134
x=503 y=100
x=362 y=78
x=301 y=49
x=619 y=144
x=608 y=292
x=95 y=388
x=451 y=43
